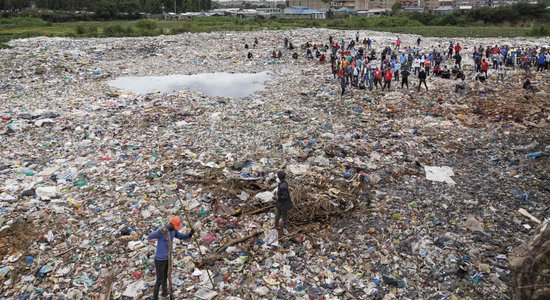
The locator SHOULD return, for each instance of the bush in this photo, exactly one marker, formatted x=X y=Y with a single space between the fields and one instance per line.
x=146 y=25
x=23 y=22
x=541 y=30
x=80 y=30
x=117 y=31
x=59 y=17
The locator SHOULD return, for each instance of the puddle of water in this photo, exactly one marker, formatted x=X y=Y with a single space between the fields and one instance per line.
x=212 y=84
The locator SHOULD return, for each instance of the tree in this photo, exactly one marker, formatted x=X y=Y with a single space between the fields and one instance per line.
x=396 y=6
x=14 y=4
x=106 y=9
x=151 y=6
x=129 y=6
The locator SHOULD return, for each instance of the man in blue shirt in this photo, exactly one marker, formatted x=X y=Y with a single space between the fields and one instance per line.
x=542 y=59
x=161 y=256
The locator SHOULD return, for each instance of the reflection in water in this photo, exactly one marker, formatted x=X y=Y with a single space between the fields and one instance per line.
x=211 y=84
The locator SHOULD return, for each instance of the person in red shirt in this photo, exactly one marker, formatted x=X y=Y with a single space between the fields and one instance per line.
x=457 y=48
x=340 y=73
x=377 y=77
x=484 y=67
x=427 y=66
x=387 y=79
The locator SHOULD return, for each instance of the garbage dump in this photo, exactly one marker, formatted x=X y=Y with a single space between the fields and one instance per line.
x=396 y=194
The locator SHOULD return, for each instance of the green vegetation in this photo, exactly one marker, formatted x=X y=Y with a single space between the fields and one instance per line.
x=108 y=9
x=520 y=13
x=541 y=30
x=22 y=22
x=23 y=27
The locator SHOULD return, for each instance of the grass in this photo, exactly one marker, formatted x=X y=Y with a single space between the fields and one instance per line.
x=23 y=27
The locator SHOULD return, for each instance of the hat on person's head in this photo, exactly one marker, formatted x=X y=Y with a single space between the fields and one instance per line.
x=176 y=222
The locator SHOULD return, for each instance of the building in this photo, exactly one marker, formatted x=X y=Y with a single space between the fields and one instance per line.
x=362 y=5
x=418 y=9
x=356 y=5
x=410 y=3
x=349 y=4
x=451 y=3
x=378 y=4
x=429 y=4
x=343 y=12
x=312 y=4
x=472 y=3
x=375 y=12
x=444 y=10
x=300 y=12
x=271 y=10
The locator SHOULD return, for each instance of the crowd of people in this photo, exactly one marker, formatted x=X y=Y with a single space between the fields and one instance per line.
x=357 y=64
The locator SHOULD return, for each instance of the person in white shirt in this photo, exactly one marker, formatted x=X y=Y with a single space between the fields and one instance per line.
x=501 y=72
x=416 y=65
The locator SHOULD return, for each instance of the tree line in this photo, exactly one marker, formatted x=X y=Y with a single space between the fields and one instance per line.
x=519 y=13
x=109 y=7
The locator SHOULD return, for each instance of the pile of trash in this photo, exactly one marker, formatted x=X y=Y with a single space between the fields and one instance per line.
x=397 y=195
x=530 y=266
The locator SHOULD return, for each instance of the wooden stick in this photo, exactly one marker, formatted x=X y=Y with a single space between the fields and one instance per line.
x=170 y=285
x=64 y=252
x=109 y=285
x=194 y=237
x=260 y=210
x=219 y=252
x=238 y=241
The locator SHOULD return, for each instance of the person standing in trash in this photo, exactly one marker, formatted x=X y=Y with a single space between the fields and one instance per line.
x=422 y=79
x=284 y=203
x=541 y=62
x=161 y=256
x=387 y=79
x=377 y=78
x=334 y=67
x=405 y=78
x=342 y=78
